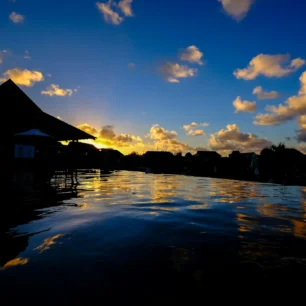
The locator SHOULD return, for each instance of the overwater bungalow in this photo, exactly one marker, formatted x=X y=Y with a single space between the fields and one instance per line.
x=29 y=134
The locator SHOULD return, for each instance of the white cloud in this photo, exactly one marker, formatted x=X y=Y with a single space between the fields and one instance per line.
x=159 y=133
x=244 y=106
x=193 y=125
x=237 y=9
x=49 y=75
x=265 y=95
x=192 y=54
x=89 y=129
x=302 y=148
x=294 y=106
x=107 y=137
x=2 y=53
x=55 y=90
x=23 y=77
x=270 y=66
x=16 y=18
x=190 y=126
x=301 y=133
x=166 y=140
x=196 y=133
x=231 y=139
x=126 y=7
x=27 y=55
x=303 y=84
x=172 y=72
x=111 y=9
x=109 y=14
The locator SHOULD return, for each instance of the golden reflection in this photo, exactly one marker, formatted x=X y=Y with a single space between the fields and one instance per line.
x=47 y=243
x=245 y=224
x=84 y=206
x=299 y=229
x=228 y=191
x=163 y=188
x=15 y=262
x=267 y=210
x=299 y=226
x=163 y=208
x=198 y=206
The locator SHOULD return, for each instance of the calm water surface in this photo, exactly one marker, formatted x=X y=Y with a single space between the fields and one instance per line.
x=131 y=237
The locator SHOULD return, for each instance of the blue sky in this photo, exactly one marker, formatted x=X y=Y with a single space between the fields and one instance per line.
x=86 y=51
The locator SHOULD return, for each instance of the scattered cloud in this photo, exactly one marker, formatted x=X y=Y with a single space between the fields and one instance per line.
x=16 y=18
x=172 y=72
x=27 y=55
x=107 y=136
x=196 y=133
x=109 y=14
x=278 y=65
x=126 y=7
x=131 y=65
x=23 y=77
x=192 y=54
x=302 y=148
x=2 y=53
x=231 y=139
x=294 y=106
x=55 y=90
x=193 y=125
x=237 y=9
x=301 y=133
x=49 y=75
x=110 y=10
x=303 y=84
x=265 y=95
x=159 y=133
x=166 y=140
x=89 y=129
x=244 y=106
x=190 y=126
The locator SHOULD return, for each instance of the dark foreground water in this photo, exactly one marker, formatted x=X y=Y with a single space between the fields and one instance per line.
x=135 y=238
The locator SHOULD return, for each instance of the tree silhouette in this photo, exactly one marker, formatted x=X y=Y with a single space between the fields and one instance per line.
x=279 y=148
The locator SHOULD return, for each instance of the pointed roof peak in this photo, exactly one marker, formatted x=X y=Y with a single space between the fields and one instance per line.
x=9 y=81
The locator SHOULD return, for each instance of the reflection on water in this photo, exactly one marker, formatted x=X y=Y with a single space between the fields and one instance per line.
x=162 y=236
x=47 y=243
x=15 y=262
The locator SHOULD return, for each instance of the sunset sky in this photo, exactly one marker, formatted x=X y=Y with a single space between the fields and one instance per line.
x=174 y=75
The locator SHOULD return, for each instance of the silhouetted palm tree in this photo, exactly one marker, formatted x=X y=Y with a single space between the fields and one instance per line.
x=279 y=148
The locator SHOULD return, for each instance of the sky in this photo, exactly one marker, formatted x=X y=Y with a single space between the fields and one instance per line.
x=177 y=75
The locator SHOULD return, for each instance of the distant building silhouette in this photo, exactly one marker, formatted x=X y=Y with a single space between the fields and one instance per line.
x=208 y=155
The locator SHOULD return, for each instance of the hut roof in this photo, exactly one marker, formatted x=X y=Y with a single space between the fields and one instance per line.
x=33 y=132
x=26 y=115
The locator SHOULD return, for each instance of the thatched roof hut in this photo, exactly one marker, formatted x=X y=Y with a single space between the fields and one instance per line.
x=20 y=114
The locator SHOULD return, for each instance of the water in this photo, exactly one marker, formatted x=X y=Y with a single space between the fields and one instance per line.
x=140 y=238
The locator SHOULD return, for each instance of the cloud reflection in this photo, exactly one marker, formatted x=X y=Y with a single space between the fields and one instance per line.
x=15 y=262
x=47 y=243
